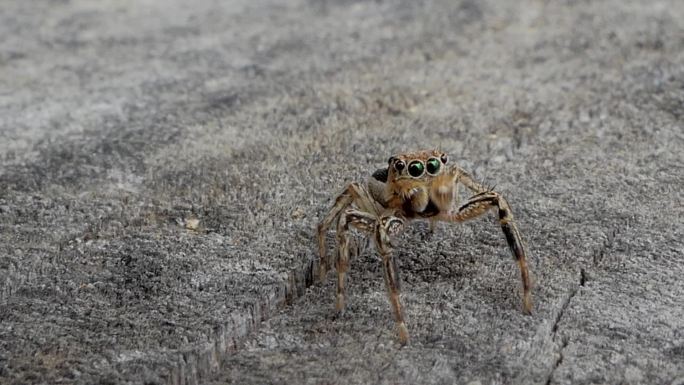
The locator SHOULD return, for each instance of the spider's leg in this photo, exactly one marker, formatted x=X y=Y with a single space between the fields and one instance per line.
x=478 y=205
x=467 y=180
x=386 y=227
x=363 y=221
x=353 y=192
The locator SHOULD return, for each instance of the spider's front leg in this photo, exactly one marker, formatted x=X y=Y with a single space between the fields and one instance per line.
x=361 y=220
x=478 y=205
x=386 y=227
x=353 y=193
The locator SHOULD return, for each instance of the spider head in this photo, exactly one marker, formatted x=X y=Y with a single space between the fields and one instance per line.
x=420 y=165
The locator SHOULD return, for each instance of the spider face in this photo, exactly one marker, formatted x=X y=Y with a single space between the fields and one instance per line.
x=416 y=165
x=414 y=180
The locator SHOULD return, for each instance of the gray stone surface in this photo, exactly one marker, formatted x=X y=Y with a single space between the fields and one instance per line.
x=121 y=123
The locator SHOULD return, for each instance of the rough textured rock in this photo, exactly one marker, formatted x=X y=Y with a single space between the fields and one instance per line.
x=163 y=166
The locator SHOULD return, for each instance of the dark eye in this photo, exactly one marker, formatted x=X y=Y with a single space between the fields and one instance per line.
x=433 y=166
x=416 y=169
x=444 y=158
x=399 y=165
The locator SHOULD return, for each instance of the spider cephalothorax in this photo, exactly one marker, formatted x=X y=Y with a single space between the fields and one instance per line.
x=415 y=185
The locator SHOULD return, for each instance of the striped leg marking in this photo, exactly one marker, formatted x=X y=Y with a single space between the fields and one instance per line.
x=391 y=225
x=354 y=193
x=478 y=205
x=362 y=221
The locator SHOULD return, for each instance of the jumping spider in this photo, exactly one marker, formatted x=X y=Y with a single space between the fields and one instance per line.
x=414 y=185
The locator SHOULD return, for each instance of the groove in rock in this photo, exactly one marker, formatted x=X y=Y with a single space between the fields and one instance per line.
x=554 y=328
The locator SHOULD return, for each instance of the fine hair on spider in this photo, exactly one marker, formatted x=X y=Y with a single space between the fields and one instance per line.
x=420 y=185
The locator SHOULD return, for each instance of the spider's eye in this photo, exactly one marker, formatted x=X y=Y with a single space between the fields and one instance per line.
x=399 y=165
x=433 y=166
x=444 y=158
x=416 y=168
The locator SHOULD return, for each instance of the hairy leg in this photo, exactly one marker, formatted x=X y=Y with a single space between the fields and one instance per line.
x=387 y=227
x=354 y=193
x=361 y=220
x=478 y=205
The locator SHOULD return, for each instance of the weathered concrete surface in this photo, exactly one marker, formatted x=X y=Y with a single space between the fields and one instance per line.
x=121 y=122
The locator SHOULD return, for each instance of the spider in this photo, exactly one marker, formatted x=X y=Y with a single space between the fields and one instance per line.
x=414 y=185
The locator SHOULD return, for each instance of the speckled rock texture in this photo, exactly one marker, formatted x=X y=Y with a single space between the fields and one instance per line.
x=163 y=165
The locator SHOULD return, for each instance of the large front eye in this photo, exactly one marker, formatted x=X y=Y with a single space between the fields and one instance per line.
x=416 y=168
x=433 y=165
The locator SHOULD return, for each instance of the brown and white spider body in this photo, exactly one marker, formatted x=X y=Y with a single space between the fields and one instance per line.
x=415 y=185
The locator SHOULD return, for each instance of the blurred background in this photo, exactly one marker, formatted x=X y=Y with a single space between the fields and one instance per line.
x=163 y=166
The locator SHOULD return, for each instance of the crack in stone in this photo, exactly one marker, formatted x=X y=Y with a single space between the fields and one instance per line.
x=554 y=328
x=200 y=362
x=559 y=361
x=599 y=254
